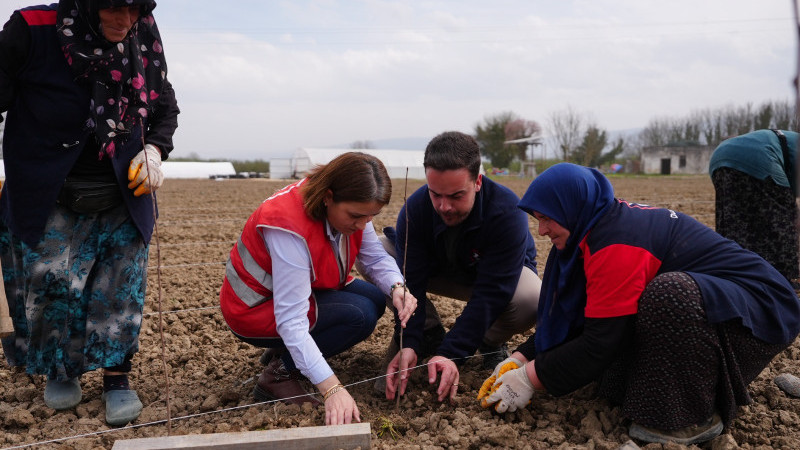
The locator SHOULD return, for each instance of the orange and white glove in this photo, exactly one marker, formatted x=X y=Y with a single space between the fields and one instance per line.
x=512 y=391
x=144 y=172
x=504 y=366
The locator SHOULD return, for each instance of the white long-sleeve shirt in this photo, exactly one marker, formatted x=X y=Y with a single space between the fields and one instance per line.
x=291 y=277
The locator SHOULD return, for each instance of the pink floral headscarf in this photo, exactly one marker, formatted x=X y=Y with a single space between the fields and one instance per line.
x=124 y=78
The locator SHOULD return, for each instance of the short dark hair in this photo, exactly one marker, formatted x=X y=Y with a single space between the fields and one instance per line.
x=351 y=177
x=453 y=150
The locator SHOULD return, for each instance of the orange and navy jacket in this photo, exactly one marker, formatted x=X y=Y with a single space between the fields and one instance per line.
x=633 y=243
x=628 y=247
x=246 y=296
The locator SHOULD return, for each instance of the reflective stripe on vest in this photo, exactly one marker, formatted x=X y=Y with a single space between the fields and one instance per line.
x=250 y=297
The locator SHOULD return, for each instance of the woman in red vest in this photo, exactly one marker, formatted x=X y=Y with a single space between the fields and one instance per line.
x=288 y=286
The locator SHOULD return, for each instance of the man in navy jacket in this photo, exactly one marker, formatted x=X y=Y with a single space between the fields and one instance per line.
x=466 y=240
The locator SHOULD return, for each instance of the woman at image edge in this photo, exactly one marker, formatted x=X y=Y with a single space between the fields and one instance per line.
x=288 y=282
x=673 y=320
x=89 y=104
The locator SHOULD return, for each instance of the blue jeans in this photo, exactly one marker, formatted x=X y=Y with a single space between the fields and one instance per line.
x=344 y=318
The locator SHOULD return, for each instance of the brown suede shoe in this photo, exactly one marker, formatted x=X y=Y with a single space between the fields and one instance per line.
x=269 y=354
x=276 y=383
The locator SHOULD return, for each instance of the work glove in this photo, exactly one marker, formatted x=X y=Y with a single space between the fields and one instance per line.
x=513 y=390
x=504 y=366
x=144 y=172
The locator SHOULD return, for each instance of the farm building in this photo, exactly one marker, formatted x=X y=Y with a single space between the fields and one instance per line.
x=194 y=169
x=280 y=168
x=305 y=159
x=678 y=158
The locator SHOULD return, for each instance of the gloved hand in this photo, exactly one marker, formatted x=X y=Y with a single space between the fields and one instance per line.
x=144 y=172
x=504 y=366
x=512 y=390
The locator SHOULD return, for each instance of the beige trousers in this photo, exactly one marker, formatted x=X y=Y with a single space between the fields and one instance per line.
x=518 y=317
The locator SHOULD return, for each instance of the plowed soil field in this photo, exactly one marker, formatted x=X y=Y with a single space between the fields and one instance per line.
x=210 y=374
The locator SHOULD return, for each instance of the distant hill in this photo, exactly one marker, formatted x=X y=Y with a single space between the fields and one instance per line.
x=407 y=143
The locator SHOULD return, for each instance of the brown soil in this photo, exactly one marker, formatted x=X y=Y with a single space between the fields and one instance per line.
x=210 y=370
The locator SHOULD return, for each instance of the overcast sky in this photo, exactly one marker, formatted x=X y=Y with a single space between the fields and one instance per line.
x=260 y=78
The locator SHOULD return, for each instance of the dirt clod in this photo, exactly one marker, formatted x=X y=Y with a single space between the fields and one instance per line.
x=210 y=370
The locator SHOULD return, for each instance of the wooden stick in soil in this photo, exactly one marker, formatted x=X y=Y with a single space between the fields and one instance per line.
x=165 y=366
x=405 y=288
x=6 y=324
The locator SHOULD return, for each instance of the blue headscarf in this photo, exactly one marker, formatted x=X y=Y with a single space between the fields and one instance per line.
x=576 y=198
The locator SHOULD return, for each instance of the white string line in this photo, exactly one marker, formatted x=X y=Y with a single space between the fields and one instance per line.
x=172 y=266
x=167 y=211
x=231 y=242
x=168 y=214
x=202 y=217
x=176 y=311
x=200 y=222
x=183 y=244
x=193 y=210
x=233 y=408
x=243 y=219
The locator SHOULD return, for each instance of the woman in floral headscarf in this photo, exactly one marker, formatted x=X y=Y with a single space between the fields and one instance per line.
x=91 y=115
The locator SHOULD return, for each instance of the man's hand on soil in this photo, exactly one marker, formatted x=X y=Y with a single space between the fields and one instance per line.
x=448 y=385
x=398 y=371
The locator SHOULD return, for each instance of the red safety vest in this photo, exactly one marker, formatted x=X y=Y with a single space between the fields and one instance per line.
x=246 y=295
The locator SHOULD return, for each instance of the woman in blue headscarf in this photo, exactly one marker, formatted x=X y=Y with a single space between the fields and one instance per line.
x=673 y=320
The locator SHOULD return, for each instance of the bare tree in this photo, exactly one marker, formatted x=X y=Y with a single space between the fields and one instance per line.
x=763 y=116
x=565 y=127
x=656 y=133
x=711 y=125
x=783 y=116
x=520 y=129
x=739 y=120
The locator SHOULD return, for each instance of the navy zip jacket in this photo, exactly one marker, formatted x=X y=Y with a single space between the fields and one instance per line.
x=495 y=243
x=46 y=127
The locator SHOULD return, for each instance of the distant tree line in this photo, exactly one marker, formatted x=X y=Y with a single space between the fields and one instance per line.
x=712 y=126
x=256 y=165
x=575 y=137
x=252 y=166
